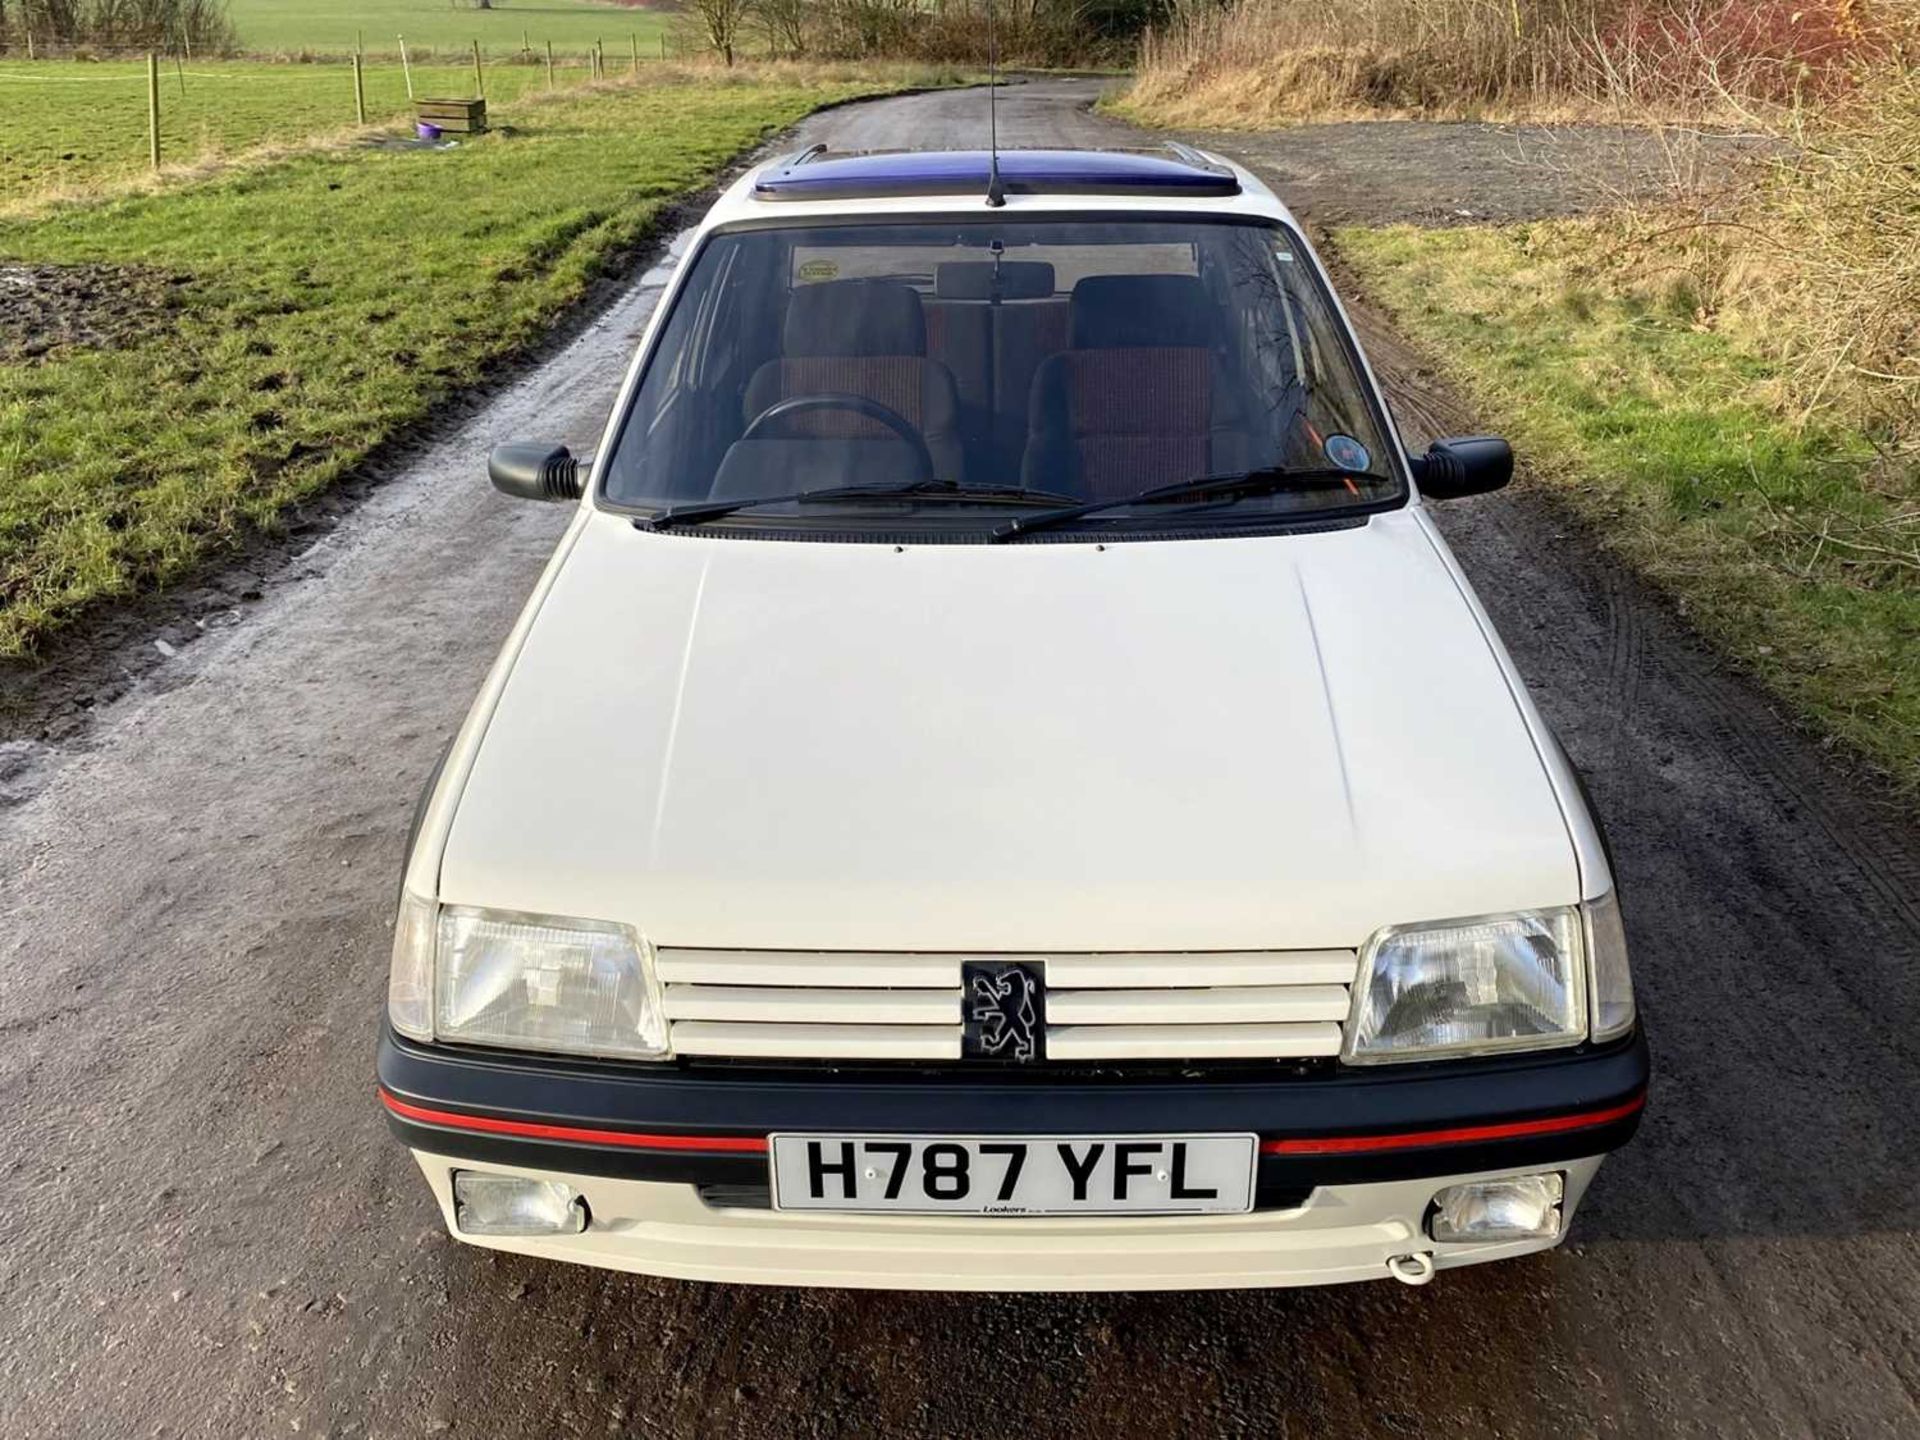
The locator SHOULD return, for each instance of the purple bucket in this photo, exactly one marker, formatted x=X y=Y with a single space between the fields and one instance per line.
x=426 y=131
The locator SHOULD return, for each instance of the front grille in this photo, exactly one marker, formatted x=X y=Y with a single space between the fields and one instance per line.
x=757 y=1004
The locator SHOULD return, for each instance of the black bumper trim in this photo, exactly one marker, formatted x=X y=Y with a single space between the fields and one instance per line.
x=671 y=1102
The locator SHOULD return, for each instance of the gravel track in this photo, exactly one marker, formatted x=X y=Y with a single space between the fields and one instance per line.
x=206 y=1229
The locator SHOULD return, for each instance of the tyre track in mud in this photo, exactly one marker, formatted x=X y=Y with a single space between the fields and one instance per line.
x=206 y=1229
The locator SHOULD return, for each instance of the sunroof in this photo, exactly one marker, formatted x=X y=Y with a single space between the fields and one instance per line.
x=817 y=175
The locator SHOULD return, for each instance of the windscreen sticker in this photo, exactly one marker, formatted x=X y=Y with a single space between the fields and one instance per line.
x=1347 y=453
x=814 y=271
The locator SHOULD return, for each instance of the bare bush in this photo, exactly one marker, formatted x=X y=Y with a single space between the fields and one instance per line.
x=1817 y=257
x=1844 y=216
x=1023 y=32
x=721 y=24
x=1251 y=59
x=114 y=24
x=1814 y=257
x=784 y=25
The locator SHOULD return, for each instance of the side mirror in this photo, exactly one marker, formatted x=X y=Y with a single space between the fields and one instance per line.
x=537 y=470
x=1463 y=465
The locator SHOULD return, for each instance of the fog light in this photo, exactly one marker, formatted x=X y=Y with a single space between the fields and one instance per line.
x=1524 y=1207
x=515 y=1205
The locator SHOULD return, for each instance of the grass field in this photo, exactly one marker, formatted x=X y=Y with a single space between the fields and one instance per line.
x=320 y=27
x=328 y=300
x=1796 y=547
x=67 y=125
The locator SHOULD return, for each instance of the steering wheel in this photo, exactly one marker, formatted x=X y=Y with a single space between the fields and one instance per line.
x=859 y=405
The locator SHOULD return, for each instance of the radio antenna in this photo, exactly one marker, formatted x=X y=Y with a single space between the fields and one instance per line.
x=996 y=195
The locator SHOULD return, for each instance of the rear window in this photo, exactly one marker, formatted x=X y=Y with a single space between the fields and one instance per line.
x=961 y=371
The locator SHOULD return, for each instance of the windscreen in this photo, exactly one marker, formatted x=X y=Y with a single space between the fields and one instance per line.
x=955 y=373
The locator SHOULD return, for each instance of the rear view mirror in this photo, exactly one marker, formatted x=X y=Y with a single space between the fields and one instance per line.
x=537 y=470
x=1463 y=465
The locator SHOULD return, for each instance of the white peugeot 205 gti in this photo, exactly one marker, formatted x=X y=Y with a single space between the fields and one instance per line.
x=1002 y=785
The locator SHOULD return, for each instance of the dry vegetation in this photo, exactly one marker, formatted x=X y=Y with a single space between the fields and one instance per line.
x=63 y=25
x=1839 y=232
x=1253 y=62
x=1042 y=33
x=1819 y=251
x=1811 y=258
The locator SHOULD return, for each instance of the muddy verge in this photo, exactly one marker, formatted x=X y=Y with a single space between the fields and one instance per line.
x=48 y=309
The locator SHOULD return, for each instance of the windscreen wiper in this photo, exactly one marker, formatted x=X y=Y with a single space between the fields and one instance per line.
x=699 y=511
x=1268 y=481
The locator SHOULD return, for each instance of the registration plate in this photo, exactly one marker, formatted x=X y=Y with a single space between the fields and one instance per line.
x=1016 y=1174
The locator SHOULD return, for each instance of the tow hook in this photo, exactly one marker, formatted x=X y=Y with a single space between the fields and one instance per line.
x=1414 y=1269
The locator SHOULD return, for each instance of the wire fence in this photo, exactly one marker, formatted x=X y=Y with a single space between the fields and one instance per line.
x=96 y=115
x=630 y=47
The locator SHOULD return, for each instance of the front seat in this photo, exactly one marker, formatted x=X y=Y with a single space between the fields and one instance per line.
x=1141 y=396
x=846 y=337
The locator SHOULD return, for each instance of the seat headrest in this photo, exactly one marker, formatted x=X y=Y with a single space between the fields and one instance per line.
x=973 y=280
x=1142 y=312
x=854 y=317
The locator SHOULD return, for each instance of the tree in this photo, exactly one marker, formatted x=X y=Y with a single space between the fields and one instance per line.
x=785 y=24
x=721 y=20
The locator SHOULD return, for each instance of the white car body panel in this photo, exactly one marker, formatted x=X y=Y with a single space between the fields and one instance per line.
x=1279 y=743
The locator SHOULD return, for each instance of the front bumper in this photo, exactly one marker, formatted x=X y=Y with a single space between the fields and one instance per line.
x=1342 y=1232
x=1349 y=1162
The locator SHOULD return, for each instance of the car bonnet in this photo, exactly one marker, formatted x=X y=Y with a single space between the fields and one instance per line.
x=1239 y=743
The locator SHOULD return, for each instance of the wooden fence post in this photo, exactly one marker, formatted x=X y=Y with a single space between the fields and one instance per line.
x=29 y=38
x=549 y=64
x=663 y=44
x=479 y=80
x=153 y=109
x=359 y=91
x=406 y=67
x=635 y=37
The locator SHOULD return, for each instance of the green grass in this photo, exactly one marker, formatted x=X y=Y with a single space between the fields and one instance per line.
x=67 y=124
x=1790 y=546
x=332 y=299
x=334 y=26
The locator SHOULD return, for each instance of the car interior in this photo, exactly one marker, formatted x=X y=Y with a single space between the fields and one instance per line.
x=1114 y=370
x=1119 y=384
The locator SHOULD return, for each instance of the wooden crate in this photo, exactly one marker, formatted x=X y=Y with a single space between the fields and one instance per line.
x=466 y=117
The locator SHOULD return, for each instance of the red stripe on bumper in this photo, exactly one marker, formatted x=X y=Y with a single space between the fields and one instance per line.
x=757 y=1144
x=533 y=1130
x=1462 y=1135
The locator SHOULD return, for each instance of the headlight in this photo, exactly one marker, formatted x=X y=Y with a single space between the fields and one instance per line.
x=529 y=982
x=1471 y=987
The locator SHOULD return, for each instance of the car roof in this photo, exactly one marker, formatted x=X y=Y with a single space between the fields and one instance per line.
x=817 y=173
x=820 y=183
